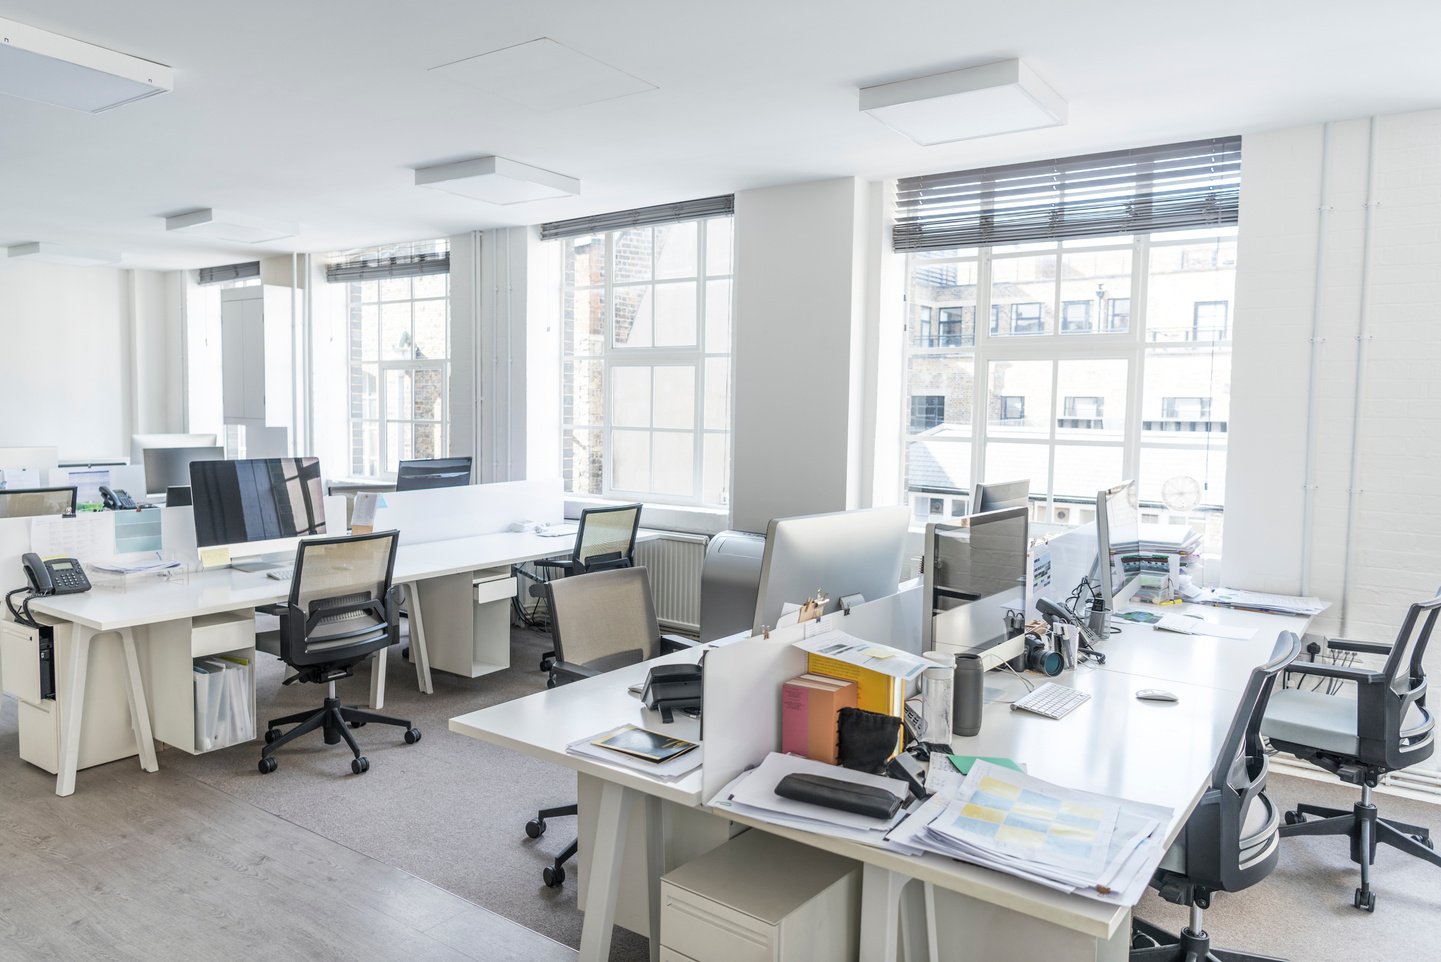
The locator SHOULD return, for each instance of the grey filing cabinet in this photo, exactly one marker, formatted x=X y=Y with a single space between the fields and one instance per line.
x=761 y=898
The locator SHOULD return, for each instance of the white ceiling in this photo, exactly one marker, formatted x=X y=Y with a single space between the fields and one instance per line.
x=319 y=111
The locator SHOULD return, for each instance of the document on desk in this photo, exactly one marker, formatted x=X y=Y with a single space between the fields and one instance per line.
x=677 y=767
x=1191 y=625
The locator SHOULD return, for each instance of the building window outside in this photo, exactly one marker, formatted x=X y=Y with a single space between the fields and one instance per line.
x=927 y=411
x=1186 y=408
x=646 y=362
x=958 y=327
x=399 y=372
x=1057 y=405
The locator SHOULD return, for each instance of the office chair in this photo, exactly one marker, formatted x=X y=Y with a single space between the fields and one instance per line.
x=341 y=610
x=604 y=540
x=599 y=621
x=1232 y=839
x=1382 y=727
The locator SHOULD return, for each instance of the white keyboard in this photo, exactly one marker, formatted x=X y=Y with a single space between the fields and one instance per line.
x=1051 y=700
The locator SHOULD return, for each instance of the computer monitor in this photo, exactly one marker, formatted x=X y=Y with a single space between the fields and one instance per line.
x=843 y=553
x=432 y=473
x=37 y=502
x=257 y=506
x=975 y=573
x=139 y=442
x=166 y=468
x=1118 y=535
x=177 y=496
x=1000 y=494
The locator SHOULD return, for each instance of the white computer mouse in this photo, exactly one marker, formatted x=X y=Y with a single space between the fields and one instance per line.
x=1155 y=694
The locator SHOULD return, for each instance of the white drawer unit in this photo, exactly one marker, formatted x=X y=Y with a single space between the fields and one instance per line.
x=761 y=898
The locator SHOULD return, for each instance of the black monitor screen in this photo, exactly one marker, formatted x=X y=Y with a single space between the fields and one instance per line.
x=432 y=473
x=37 y=502
x=262 y=499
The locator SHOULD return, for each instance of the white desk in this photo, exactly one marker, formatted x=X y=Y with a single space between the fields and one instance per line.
x=1114 y=744
x=443 y=568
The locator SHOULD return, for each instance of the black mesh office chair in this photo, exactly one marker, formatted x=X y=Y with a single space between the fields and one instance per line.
x=1359 y=736
x=600 y=622
x=1232 y=839
x=604 y=540
x=341 y=610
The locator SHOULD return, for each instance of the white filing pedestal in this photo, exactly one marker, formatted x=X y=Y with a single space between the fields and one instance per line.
x=759 y=898
x=466 y=622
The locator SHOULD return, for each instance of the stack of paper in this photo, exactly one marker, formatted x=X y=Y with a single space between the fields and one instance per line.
x=1192 y=625
x=753 y=793
x=1104 y=848
x=224 y=702
x=1260 y=601
x=670 y=770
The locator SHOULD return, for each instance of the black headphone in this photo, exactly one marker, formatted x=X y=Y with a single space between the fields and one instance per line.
x=1042 y=658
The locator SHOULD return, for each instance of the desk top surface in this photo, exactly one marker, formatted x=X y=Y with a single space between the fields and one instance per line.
x=226 y=589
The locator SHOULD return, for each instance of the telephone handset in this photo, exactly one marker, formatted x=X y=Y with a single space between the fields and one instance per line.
x=57 y=576
x=1089 y=639
x=116 y=500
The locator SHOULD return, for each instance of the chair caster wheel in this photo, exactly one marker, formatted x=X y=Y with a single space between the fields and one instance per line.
x=405 y=653
x=535 y=828
x=1425 y=840
x=412 y=735
x=553 y=876
x=545 y=662
x=1294 y=818
x=268 y=764
x=360 y=765
x=271 y=734
x=1365 y=900
x=356 y=724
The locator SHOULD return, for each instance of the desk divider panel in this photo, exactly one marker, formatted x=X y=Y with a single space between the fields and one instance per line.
x=441 y=514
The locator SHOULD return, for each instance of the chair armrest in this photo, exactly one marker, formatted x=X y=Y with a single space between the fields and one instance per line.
x=565 y=672
x=670 y=644
x=1361 y=676
x=563 y=563
x=1364 y=647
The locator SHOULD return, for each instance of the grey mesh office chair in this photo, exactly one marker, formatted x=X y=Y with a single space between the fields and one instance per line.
x=604 y=540
x=600 y=622
x=341 y=610
x=1232 y=839
x=1359 y=736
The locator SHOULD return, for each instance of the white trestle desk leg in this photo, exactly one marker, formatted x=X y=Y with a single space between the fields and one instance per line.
x=74 y=714
x=603 y=885
x=655 y=836
x=933 y=942
x=418 y=653
x=139 y=708
x=915 y=914
x=880 y=913
x=377 y=679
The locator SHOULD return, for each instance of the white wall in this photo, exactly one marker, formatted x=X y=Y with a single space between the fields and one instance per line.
x=92 y=355
x=1396 y=449
x=799 y=314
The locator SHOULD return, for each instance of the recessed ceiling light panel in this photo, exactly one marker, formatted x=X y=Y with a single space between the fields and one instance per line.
x=544 y=75
x=497 y=180
x=45 y=253
x=46 y=67
x=997 y=98
x=230 y=225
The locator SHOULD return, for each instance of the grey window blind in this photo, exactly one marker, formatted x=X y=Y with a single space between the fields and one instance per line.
x=1172 y=187
x=229 y=272
x=640 y=217
x=383 y=263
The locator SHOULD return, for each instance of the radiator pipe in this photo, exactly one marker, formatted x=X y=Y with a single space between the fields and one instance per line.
x=1308 y=483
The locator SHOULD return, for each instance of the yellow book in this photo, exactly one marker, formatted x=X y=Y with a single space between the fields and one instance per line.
x=875 y=691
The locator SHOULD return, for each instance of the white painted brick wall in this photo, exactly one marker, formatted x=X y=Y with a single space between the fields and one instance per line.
x=1396 y=553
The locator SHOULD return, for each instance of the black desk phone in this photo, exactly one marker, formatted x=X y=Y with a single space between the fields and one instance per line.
x=116 y=500
x=58 y=576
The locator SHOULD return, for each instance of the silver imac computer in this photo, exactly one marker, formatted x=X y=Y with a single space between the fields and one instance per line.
x=139 y=442
x=256 y=507
x=1118 y=536
x=167 y=468
x=844 y=553
x=1000 y=494
x=432 y=473
x=975 y=578
x=37 y=503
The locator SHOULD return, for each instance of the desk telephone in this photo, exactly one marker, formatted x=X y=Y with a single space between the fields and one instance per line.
x=57 y=576
x=117 y=500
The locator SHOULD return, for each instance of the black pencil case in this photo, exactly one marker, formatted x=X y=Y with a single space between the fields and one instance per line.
x=841 y=795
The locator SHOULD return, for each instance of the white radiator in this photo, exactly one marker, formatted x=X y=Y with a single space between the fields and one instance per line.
x=673 y=563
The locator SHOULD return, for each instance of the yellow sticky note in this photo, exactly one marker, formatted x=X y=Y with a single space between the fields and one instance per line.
x=215 y=557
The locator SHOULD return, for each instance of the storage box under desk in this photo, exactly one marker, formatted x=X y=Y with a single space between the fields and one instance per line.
x=169 y=656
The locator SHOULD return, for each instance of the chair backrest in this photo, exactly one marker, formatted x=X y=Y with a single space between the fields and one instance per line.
x=606 y=538
x=1222 y=852
x=603 y=619
x=1388 y=722
x=340 y=608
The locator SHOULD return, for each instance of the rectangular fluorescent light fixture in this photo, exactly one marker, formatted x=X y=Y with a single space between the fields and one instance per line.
x=497 y=180
x=43 y=253
x=230 y=225
x=997 y=98
x=50 y=69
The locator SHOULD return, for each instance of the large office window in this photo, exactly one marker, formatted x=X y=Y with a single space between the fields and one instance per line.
x=1107 y=354
x=646 y=328
x=398 y=306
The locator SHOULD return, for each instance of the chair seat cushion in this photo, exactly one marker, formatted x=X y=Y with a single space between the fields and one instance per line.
x=1321 y=721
